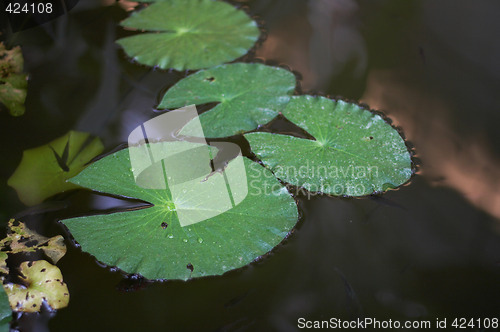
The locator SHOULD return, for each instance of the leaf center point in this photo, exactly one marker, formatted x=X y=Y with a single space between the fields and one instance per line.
x=169 y=207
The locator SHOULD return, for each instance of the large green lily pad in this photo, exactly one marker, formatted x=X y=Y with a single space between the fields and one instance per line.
x=13 y=83
x=154 y=243
x=248 y=95
x=355 y=152
x=43 y=171
x=189 y=34
x=42 y=281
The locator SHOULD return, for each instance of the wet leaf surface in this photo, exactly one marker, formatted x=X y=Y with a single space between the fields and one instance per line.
x=153 y=243
x=248 y=95
x=42 y=281
x=189 y=34
x=43 y=171
x=13 y=83
x=355 y=152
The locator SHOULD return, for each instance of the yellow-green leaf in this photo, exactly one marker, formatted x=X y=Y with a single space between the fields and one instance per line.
x=43 y=171
x=42 y=281
x=22 y=239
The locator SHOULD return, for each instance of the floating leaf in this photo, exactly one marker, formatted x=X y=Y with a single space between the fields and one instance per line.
x=42 y=281
x=5 y=311
x=189 y=34
x=43 y=171
x=355 y=152
x=13 y=83
x=28 y=296
x=152 y=242
x=249 y=95
x=22 y=239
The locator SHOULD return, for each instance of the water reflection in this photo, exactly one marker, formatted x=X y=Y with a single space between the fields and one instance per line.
x=466 y=164
x=335 y=41
x=410 y=60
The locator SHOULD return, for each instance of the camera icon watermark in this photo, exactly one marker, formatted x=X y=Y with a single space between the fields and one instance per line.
x=185 y=167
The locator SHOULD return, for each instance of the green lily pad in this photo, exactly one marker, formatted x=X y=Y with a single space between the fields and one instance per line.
x=189 y=34
x=42 y=281
x=43 y=171
x=22 y=239
x=13 y=83
x=154 y=242
x=5 y=311
x=248 y=95
x=355 y=152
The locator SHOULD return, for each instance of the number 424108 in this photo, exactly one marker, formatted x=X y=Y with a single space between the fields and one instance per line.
x=475 y=323
x=32 y=8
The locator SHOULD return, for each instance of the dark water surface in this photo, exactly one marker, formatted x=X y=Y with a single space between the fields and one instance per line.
x=428 y=250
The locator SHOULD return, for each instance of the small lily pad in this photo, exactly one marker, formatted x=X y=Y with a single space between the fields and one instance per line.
x=189 y=34
x=153 y=242
x=42 y=281
x=22 y=239
x=354 y=151
x=248 y=95
x=43 y=171
x=13 y=83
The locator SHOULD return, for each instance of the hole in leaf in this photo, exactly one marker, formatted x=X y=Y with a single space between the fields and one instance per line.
x=164 y=225
x=31 y=243
x=210 y=79
x=190 y=267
